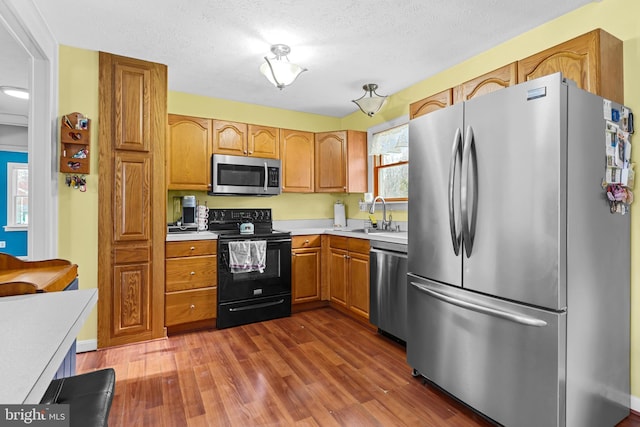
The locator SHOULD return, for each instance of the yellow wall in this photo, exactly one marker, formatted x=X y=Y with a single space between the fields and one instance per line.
x=78 y=211
x=79 y=92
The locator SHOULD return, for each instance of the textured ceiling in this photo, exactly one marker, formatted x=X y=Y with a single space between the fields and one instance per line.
x=215 y=47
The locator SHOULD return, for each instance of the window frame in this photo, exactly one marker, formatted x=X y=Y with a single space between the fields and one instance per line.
x=11 y=195
x=374 y=160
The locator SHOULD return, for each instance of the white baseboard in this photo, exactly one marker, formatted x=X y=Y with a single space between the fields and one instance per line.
x=635 y=403
x=86 y=345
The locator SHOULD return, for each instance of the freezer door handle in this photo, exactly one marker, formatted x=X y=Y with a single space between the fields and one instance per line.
x=456 y=157
x=507 y=315
x=469 y=168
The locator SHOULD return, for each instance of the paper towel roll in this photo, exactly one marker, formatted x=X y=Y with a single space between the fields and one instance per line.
x=339 y=218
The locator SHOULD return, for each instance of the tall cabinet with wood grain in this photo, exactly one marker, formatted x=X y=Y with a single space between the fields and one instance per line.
x=132 y=197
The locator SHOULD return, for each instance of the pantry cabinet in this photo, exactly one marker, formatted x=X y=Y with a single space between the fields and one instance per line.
x=298 y=155
x=189 y=153
x=132 y=186
x=190 y=281
x=306 y=268
x=341 y=162
x=349 y=274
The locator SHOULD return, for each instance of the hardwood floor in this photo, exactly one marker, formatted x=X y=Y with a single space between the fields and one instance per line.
x=316 y=368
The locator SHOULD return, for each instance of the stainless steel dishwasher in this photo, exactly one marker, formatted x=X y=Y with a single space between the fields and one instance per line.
x=388 y=293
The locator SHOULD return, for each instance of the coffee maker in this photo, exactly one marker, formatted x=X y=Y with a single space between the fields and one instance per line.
x=189 y=211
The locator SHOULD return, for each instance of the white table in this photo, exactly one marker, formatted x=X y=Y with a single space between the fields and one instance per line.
x=36 y=332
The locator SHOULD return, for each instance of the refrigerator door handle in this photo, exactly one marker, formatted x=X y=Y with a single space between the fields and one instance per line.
x=507 y=315
x=456 y=156
x=469 y=166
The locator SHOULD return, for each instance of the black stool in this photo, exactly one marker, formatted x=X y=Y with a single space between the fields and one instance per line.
x=89 y=397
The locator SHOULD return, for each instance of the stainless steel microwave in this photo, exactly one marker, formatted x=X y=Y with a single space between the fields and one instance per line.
x=247 y=176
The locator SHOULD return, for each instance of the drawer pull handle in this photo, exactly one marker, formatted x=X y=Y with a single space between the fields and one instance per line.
x=192 y=306
x=306 y=242
x=193 y=273
x=193 y=248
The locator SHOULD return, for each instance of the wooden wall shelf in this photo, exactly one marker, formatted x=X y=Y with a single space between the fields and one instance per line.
x=75 y=139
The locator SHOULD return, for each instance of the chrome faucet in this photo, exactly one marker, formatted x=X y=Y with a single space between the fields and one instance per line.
x=385 y=224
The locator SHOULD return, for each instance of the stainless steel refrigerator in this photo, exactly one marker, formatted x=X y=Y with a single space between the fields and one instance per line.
x=518 y=274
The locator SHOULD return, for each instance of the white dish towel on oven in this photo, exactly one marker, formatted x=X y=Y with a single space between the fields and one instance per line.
x=247 y=256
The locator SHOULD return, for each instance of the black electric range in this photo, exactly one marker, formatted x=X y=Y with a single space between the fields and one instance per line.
x=262 y=291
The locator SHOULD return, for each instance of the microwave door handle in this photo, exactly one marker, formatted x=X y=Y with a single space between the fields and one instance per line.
x=266 y=176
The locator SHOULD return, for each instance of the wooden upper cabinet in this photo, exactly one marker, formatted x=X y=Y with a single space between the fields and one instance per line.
x=230 y=138
x=593 y=60
x=264 y=141
x=188 y=153
x=357 y=162
x=241 y=139
x=341 y=161
x=297 y=152
x=432 y=103
x=495 y=80
x=331 y=162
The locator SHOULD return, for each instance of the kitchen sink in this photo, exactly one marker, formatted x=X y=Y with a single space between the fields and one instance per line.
x=377 y=232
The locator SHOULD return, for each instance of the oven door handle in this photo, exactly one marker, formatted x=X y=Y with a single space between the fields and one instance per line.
x=267 y=240
x=261 y=305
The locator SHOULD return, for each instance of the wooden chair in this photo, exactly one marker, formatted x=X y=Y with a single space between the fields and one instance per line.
x=17 y=288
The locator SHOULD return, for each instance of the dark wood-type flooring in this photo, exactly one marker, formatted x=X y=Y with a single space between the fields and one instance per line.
x=316 y=368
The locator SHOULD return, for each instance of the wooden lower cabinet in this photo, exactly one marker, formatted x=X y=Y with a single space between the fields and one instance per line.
x=190 y=306
x=349 y=274
x=306 y=269
x=190 y=282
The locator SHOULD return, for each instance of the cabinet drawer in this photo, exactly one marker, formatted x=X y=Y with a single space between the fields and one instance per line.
x=308 y=241
x=338 y=242
x=190 y=306
x=190 y=248
x=190 y=273
x=359 y=245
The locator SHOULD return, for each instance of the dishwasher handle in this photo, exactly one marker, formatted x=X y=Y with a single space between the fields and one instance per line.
x=507 y=315
x=385 y=252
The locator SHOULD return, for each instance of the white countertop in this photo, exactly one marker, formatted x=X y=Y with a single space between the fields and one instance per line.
x=391 y=236
x=36 y=334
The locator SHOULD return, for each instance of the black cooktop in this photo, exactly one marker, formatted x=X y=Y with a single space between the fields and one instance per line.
x=226 y=223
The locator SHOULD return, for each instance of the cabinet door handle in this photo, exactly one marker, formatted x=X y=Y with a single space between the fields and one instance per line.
x=306 y=242
x=193 y=273
x=192 y=306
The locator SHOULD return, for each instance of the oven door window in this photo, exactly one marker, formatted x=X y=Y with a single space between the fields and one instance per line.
x=274 y=280
x=272 y=268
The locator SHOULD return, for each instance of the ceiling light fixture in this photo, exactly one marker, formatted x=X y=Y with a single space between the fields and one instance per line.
x=279 y=71
x=370 y=103
x=16 y=92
